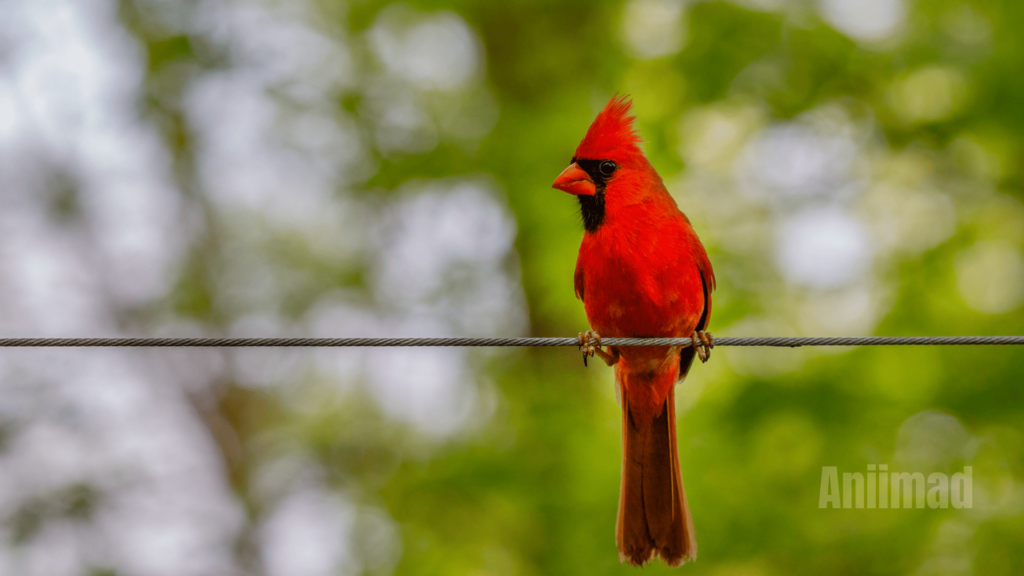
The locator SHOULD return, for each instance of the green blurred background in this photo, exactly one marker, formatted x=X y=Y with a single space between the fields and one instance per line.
x=330 y=168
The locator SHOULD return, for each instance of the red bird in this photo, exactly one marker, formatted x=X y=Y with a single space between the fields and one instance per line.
x=641 y=272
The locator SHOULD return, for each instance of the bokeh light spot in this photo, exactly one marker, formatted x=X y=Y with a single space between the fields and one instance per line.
x=990 y=276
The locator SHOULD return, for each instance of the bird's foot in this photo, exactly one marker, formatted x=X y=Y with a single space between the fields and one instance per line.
x=590 y=344
x=586 y=347
x=703 y=342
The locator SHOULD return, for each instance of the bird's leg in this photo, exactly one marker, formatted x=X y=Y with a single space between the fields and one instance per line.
x=589 y=349
x=611 y=357
x=703 y=342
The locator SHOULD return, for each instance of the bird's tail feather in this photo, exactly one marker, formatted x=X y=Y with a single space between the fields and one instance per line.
x=653 y=515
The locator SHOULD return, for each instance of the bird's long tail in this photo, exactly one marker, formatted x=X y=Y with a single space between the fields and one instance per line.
x=653 y=515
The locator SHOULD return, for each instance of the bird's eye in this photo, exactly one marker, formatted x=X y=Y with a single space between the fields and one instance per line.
x=607 y=167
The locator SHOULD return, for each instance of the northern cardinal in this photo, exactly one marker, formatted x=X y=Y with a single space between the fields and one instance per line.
x=641 y=272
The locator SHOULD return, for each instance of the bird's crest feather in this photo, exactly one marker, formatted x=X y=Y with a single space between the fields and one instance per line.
x=613 y=132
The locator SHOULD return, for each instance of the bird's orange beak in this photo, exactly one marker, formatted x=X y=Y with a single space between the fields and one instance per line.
x=576 y=181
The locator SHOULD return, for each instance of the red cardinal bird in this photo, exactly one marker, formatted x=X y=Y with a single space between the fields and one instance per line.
x=641 y=272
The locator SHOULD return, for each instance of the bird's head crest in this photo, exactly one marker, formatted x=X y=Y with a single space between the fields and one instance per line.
x=613 y=132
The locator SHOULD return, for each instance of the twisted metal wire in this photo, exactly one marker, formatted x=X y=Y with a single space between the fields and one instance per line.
x=775 y=342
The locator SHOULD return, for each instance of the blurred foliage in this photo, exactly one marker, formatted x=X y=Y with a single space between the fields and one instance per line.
x=533 y=488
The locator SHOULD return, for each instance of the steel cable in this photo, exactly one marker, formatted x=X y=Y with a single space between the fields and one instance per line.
x=775 y=342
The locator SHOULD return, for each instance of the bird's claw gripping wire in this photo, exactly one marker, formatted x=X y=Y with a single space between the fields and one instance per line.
x=703 y=342
x=586 y=347
x=590 y=344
